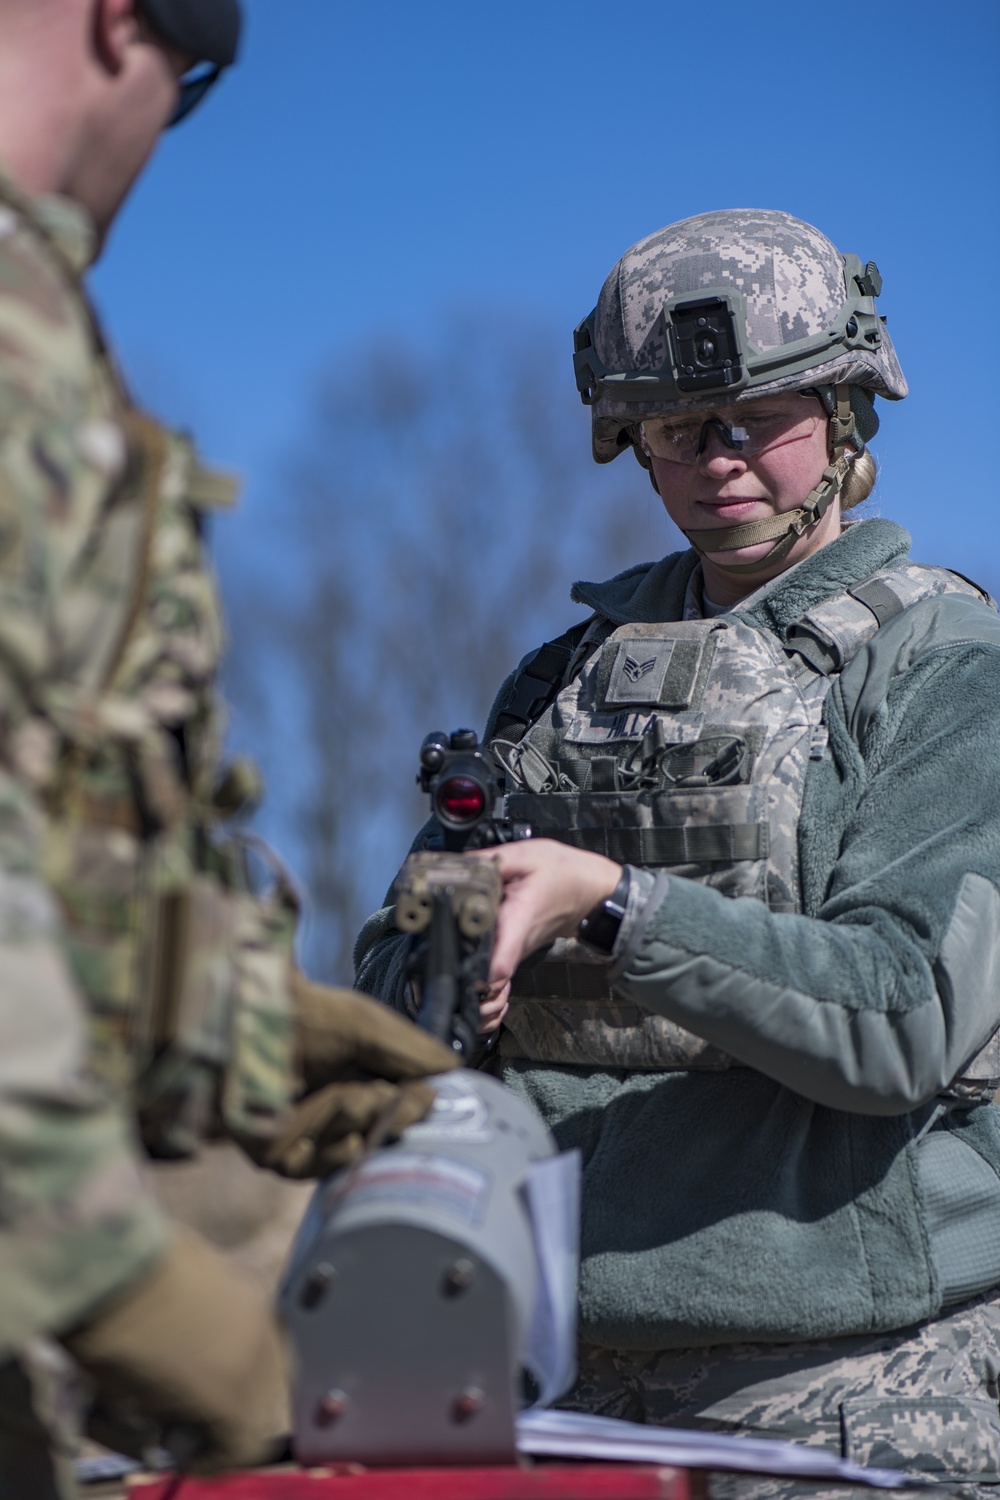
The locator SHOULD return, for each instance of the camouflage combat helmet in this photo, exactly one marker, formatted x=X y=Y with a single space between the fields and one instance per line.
x=727 y=307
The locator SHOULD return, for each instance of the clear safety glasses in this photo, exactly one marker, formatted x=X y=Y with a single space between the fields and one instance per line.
x=191 y=90
x=683 y=440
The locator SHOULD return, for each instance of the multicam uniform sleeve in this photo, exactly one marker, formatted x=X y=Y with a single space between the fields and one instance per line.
x=876 y=1001
x=77 y=1225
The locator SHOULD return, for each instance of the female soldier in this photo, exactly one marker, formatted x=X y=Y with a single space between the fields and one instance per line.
x=767 y=778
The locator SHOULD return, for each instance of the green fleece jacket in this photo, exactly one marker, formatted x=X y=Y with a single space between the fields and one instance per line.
x=819 y=1188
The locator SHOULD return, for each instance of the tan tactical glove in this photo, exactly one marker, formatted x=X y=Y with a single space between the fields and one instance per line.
x=192 y=1359
x=359 y=1060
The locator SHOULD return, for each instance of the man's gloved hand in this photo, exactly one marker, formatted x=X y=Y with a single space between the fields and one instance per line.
x=191 y=1358
x=360 y=1062
x=327 y=1130
x=344 y=1034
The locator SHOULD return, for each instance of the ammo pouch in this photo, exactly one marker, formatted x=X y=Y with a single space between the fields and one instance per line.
x=215 y=1021
x=186 y=969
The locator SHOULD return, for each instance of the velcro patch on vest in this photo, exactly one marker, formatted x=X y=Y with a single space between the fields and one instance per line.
x=652 y=671
x=629 y=725
x=639 y=672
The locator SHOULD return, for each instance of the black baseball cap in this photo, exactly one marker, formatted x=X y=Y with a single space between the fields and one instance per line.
x=206 y=30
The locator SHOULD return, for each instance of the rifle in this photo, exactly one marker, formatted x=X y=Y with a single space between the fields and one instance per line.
x=448 y=903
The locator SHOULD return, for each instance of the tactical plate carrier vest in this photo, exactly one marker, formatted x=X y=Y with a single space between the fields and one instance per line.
x=681 y=746
x=184 y=968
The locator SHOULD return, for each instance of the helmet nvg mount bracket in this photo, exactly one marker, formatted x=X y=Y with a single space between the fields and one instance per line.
x=704 y=349
x=727 y=307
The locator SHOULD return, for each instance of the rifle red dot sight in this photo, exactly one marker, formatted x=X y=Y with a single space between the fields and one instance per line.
x=462 y=784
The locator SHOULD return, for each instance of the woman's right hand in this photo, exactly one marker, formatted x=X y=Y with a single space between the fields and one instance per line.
x=548 y=889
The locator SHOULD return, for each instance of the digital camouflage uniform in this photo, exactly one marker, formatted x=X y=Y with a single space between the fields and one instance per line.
x=138 y=970
x=926 y=1400
x=782 y=1080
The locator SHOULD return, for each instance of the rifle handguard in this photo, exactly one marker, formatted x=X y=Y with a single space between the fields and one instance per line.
x=472 y=886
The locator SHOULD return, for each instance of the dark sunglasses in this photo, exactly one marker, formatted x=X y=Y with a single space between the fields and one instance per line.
x=192 y=89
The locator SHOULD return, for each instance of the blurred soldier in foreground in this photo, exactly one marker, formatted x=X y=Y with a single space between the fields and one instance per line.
x=123 y=897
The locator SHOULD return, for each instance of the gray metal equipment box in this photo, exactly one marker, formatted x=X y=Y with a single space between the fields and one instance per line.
x=411 y=1287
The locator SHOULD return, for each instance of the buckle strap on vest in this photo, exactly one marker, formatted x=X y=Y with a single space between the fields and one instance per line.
x=696 y=845
x=829 y=635
x=833 y=631
x=821 y=655
x=879 y=598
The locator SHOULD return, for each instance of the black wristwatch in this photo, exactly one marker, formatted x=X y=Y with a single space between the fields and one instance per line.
x=599 y=927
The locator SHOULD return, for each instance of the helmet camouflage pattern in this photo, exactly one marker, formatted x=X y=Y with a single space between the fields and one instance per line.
x=726 y=307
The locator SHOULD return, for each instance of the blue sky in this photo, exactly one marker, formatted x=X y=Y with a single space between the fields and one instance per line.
x=368 y=166
x=369 y=169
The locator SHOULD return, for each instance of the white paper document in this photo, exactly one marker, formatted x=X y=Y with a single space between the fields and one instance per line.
x=552 y=1192
x=568 y=1434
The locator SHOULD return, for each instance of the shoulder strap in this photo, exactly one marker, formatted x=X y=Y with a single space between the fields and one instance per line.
x=537 y=682
x=147 y=440
x=148 y=445
x=829 y=635
x=148 y=454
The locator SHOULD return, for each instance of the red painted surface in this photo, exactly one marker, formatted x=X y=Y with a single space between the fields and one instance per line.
x=547 y=1482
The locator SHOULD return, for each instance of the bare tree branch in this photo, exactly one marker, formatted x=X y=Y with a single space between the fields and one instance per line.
x=442 y=503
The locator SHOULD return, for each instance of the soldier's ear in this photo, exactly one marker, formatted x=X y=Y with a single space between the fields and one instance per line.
x=115 y=26
x=643 y=458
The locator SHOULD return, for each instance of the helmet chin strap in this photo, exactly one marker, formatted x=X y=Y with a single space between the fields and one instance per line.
x=785 y=529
